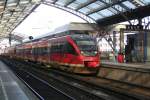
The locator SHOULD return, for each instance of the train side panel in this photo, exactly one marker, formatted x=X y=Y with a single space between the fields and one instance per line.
x=64 y=51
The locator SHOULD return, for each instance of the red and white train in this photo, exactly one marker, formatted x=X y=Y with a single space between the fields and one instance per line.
x=77 y=53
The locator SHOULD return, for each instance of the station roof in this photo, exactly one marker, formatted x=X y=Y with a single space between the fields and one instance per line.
x=102 y=10
x=13 y=12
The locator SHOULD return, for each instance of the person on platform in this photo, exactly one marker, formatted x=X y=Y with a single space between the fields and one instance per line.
x=120 y=58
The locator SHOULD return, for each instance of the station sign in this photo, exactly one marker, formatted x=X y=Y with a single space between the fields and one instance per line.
x=134 y=27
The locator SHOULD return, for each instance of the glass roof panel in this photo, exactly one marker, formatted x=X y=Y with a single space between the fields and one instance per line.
x=73 y=5
x=112 y=10
x=11 y=4
x=106 y=12
x=62 y=2
x=6 y=14
x=82 y=1
x=1 y=2
x=129 y=5
x=11 y=1
x=96 y=16
x=94 y=6
x=146 y=1
x=119 y=8
x=99 y=3
x=107 y=1
x=24 y=1
x=84 y=10
x=138 y=3
x=49 y=1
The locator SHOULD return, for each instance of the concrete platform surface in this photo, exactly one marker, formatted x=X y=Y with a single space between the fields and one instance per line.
x=11 y=88
x=132 y=65
x=134 y=73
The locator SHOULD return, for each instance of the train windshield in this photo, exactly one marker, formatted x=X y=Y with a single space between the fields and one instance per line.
x=86 y=45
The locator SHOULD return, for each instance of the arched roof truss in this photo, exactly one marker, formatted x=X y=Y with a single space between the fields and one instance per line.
x=13 y=12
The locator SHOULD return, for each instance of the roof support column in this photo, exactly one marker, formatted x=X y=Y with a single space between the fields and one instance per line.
x=10 y=39
x=140 y=21
x=121 y=40
x=114 y=39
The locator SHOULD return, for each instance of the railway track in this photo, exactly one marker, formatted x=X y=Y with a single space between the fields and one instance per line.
x=113 y=87
x=129 y=89
x=81 y=85
x=42 y=89
x=72 y=90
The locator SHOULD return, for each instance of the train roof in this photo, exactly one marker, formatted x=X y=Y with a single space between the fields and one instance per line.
x=75 y=27
x=75 y=36
x=80 y=35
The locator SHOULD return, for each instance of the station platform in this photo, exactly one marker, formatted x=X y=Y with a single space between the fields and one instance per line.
x=134 y=73
x=145 y=67
x=11 y=88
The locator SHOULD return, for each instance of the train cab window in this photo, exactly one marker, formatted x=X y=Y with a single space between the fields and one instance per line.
x=86 y=44
x=68 y=48
x=62 y=47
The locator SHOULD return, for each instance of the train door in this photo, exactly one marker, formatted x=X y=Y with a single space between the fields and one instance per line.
x=49 y=51
x=35 y=52
x=69 y=54
x=54 y=58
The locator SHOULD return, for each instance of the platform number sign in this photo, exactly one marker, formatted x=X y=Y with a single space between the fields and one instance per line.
x=134 y=27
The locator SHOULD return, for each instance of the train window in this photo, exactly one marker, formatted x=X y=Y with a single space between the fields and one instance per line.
x=24 y=51
x=56 y=48
x=86 y=44
x=53 y=49
x=39 y=51
x=44 y=50
x=17 y=51
x=62 y=47
x=27 y=51
x=35 y=51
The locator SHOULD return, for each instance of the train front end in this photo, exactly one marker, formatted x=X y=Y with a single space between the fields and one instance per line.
x=88 y=53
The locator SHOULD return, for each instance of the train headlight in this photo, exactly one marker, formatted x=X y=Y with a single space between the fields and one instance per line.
x=95 y=52
x=82 y=52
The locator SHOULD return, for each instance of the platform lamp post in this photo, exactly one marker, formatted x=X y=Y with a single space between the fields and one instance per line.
x=121 y=40
x=10 y=36
x=31 y=38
